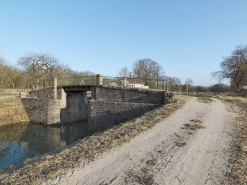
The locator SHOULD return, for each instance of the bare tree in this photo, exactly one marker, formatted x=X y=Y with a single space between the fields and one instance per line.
x=234 y=67
x=124 y=72
x=35 y=70
x=86 y=73
x=147 y=69
x=173 y=83
x=9 y=75
x=39 y=66
x=219 y=88
x=199 y=89
x=188 y=83
x=2 y=71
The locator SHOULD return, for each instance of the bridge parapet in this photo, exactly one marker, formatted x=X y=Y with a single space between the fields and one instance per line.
x=77 y=81
x=114 y=81
x=113 y=100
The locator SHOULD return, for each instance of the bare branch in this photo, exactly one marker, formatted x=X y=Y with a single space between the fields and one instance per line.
x=234 y=67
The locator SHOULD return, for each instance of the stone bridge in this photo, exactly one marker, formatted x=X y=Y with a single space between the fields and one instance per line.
x=104 y=106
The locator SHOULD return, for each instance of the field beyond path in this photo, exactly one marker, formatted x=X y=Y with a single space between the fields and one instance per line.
x=189 y=147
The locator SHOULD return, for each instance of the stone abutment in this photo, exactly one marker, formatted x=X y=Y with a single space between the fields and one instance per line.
x=104 y=107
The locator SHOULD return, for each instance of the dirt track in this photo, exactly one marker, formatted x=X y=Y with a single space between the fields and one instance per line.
x=167 y=154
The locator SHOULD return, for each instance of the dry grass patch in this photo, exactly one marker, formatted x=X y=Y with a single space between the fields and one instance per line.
x=12 y=92
x=205 y=99
x=180 y=144
x=56 y=163
x=238 y=148
x=144 y=177
x=152 y=162
x=12 y=111
x=193 y=126
x=196 y=120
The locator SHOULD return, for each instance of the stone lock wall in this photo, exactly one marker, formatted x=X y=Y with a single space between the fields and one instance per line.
x=67 y=108
x=104 y=115
x=125 y=94
x=47 y=93
x=44 y=111
x=108 y=106
x=113 y=105
x=76 y=108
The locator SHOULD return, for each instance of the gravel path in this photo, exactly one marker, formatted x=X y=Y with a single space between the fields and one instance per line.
x=167 y=154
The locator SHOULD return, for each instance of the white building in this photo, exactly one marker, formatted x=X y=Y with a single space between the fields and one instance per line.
x=136 y=83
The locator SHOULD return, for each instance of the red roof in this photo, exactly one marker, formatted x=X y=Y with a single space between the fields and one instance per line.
x=135 y=81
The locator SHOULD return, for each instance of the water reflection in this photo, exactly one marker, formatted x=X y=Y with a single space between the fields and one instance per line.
x=19 y=142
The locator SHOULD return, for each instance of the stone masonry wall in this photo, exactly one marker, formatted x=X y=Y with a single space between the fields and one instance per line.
x=108 y=106
x=42 y=93
x=76 y=107
x=47 y=93
x=45 y=111
x=71 y=109
x=125 y=94
x=104 y=114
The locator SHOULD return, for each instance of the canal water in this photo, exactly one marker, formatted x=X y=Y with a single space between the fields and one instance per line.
x=25 y=141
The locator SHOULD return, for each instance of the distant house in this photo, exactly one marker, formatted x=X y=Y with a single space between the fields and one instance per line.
x=132 y=82
x=112 y=82
x=117 y=83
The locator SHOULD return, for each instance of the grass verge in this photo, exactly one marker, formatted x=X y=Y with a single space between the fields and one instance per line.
x=12 y=92
x=54 y=164
x=238 y=152
x=12 y=111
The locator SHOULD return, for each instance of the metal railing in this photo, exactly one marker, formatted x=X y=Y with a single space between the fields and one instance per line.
x=77 y=81
x=135 y=82
x=114 y=81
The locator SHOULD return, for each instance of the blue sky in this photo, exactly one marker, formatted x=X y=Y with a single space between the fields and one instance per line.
x=188 y=38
